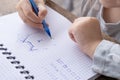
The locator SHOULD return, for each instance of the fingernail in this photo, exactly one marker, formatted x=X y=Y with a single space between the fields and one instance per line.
x=41 y=7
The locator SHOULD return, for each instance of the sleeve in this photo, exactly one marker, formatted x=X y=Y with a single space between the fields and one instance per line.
x=106 y=59
x=85 y=7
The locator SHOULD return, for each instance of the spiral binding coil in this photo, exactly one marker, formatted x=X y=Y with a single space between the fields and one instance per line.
x=17 y=64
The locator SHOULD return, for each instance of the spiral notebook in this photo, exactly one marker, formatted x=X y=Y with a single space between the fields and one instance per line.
x=29 y=54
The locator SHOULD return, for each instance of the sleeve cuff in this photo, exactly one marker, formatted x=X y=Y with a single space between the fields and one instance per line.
x=99 y=59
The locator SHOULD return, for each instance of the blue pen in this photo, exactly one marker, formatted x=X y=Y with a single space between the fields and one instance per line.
x=36 y=10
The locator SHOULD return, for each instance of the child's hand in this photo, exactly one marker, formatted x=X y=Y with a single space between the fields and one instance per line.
x=85 y=31
x=28 y=16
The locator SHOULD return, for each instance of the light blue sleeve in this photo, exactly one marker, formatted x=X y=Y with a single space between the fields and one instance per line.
x=87 y=6
x=107 y=59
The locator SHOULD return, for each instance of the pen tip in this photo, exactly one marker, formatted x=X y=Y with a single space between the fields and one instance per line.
x=51 y=37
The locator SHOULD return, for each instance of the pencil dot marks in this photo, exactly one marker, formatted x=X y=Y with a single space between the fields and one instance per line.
x=16 y=63
x=40 y=40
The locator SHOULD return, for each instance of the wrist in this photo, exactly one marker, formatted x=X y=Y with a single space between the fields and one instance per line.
x=93 y=48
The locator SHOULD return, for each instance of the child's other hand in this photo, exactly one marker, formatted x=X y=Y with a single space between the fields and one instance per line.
x=28 y=16
x=85 y=31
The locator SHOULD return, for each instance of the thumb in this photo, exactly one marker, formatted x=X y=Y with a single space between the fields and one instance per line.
x=42 y=9
x=71 y=34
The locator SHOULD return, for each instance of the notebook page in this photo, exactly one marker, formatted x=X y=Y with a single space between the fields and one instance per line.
x=47 y=59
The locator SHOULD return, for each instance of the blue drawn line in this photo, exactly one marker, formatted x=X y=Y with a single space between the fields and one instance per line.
x=32 y=43
x=26 y=38
x=68 y=69
x=32 y=46
x=40 y=40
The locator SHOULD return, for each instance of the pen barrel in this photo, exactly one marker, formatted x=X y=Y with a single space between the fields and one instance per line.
x=34 y=6
x=46 y=28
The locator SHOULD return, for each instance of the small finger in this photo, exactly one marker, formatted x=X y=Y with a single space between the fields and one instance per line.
x=29 y=13
x=42 y=11
x=28 y=21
